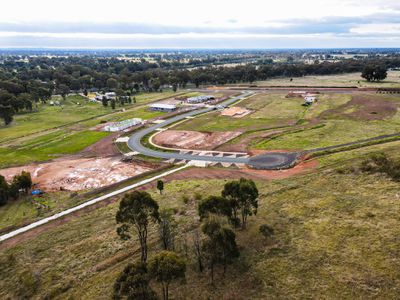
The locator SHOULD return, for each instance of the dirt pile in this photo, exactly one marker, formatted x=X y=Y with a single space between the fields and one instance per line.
x=235 y=112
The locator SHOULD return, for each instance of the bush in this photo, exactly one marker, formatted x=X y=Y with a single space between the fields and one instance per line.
x=380 y=163
x=266 y=231
x=185 y=199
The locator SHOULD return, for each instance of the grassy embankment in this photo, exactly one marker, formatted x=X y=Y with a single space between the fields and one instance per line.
x=337 y=242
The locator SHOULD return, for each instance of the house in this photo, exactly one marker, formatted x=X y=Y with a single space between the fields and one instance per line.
x=162 y=107
x=109 y=96
x=200 y=99
x=309 y=100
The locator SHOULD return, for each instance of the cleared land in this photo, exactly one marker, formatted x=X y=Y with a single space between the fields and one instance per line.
x=341 y=80
x=270 y=110
x=79 y=173
x=363 y=117
x=338 y=244
x=193 y=139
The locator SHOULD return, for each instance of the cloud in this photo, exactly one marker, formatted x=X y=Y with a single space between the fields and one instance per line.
x=334 y=24
x=377 y=29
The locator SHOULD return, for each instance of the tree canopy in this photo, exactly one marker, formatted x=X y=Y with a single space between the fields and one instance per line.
x=166 y=267
x=137 y=210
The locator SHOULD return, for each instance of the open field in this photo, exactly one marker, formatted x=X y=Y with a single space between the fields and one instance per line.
x=363 y=117
x=280 y=123
x=48 y=147
x=338 y=244
x=341 y=80
x=270 y=110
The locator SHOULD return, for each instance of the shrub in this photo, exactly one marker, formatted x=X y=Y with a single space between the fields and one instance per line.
x=198 y=196
x=185 y=199
x=266 y=231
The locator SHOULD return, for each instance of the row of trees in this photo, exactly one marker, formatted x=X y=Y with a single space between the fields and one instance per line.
x=214 y=246
x=20 y=183
x=40 y=78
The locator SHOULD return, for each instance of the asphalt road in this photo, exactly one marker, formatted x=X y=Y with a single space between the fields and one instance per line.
x=265 y=161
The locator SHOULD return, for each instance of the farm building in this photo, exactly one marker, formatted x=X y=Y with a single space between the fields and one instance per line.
x=119 y=126
x=162 y=107
x=200 y=99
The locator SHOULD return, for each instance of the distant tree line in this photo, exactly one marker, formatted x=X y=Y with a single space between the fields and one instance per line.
x=23 y=84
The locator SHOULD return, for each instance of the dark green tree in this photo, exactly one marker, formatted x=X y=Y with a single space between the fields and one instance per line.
x=215 y=205
x=133 y=283
x=220 y=247
x=104 y=101
x=243 y=196
x=166 y=267
x=167 y=229
x=160 y=185
x=112 y=83
x=6 y=106
x=63 y=90
x=23 y=181
x=374 y=72
x=136 y=211
x=4 y=191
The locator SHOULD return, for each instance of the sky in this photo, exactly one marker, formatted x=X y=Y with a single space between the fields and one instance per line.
x=199 y=24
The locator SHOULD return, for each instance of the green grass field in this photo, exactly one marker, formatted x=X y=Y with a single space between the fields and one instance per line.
x=269 y=110
x=351 y=79
x=48 y=117
x=341 y=122
x=334 y=132
x=339 y=242
x=48 y=146
x=34 y=137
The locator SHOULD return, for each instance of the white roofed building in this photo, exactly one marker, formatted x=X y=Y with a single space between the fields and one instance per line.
x=162 y=107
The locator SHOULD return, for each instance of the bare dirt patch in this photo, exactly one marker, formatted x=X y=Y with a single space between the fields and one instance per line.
x=76 y=174
x=235 y=112
x=102 y=148
x=363 y=107
x=193 y=139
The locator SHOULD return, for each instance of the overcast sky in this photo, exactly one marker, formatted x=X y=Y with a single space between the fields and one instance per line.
x=200 y=24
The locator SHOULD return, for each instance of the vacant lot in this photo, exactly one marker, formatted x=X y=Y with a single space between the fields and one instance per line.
x=340 y=245
x=270 y=110
x=193 y=139
x=49 y=146
x=352 y=79
x=363 y=117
